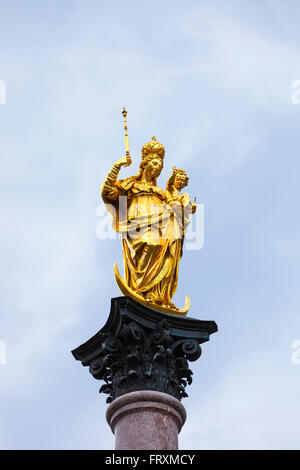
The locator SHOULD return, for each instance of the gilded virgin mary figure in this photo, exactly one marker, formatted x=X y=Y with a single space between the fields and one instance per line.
x=152 y=224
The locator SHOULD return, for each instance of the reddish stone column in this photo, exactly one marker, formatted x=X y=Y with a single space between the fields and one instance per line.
x=146 y=420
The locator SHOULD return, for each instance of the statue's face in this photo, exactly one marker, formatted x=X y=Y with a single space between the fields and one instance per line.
x=180 y=181
x=154 y=167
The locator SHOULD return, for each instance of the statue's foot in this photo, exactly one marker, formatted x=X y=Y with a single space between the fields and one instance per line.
x=151 y=299
x=161 y=302
x=170 y=305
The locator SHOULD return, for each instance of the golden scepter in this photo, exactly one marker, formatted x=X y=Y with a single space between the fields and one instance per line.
x=124 y=112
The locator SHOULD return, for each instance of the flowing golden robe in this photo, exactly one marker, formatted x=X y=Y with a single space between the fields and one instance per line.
x=152 y=237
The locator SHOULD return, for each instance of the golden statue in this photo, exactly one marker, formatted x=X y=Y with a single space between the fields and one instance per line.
x=152 y=224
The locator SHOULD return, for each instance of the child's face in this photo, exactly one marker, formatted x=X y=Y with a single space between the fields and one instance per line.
x=180 y=181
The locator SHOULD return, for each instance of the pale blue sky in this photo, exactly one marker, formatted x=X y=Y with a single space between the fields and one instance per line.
x=212 y=80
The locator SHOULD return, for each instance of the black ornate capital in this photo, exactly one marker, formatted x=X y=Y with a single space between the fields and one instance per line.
x=142 y=349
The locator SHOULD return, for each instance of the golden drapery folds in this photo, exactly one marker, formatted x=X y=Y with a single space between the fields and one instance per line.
x=152 y=226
